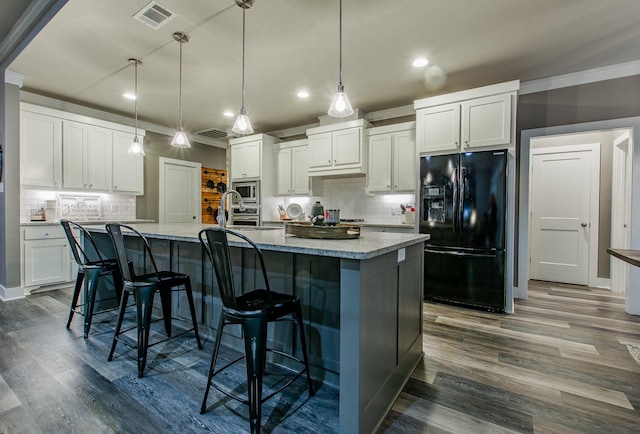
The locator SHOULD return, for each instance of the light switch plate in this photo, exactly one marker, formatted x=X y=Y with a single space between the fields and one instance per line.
x=401 y=254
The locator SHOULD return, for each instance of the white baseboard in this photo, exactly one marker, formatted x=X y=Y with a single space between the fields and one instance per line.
x=7 y=294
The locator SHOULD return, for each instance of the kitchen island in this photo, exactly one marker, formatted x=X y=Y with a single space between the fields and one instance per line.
x=362 y=304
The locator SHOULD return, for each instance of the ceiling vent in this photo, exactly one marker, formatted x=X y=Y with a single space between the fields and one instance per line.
x=213 y=133
x=154 y=15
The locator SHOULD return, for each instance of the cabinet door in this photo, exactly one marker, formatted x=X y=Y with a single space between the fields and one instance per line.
x=300 y=170
x=40 y=150
x=74 y=155
x=320 y=152
x=438 y=128
x=283 y=171
x=379 y=174
x=99 y=151
x=404 y=161
x=127 y=170
x=46 y=262
x=487 y=121
x=347 y=147
x=253 y=157
x=237 y=161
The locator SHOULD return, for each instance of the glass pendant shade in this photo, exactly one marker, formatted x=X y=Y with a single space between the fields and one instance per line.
x=340 y=105
x=180 y=139
x=242 y=125
x=135 y=148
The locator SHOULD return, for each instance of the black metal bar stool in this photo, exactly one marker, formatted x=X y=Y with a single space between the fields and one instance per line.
x=91 y=267
x=253 y=310
x=143 y=287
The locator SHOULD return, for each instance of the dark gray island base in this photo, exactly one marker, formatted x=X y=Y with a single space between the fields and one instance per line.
x=362 y=304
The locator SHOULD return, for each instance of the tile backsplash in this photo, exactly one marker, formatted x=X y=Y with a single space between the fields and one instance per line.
x=348 y=195
x=111 y=206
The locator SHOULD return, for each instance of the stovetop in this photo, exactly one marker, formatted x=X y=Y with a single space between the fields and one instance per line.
x=352 y=220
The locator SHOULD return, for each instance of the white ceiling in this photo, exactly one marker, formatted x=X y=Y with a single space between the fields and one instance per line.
x=81 y=55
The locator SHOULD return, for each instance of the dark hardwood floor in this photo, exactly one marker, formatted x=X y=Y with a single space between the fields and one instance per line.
x=559 y=365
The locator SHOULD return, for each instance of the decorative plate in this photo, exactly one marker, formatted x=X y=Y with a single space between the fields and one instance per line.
x=294 y=210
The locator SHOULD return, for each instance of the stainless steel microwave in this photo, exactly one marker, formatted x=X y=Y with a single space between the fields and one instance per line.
x=249 y=190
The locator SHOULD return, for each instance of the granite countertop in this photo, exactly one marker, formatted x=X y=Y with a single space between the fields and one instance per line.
x=86 y=222
x=629 y=256
x=368 y=245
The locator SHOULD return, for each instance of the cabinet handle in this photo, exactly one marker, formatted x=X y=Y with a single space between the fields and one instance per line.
x=46 y=234
x=395 y=186
x=388 y=186
x=329 y=161
x=335 y=161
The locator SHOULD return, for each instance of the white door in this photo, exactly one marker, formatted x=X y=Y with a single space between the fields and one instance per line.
x=179 y=191
x=560 y=214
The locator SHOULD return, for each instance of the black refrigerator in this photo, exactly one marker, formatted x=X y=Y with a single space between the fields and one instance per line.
x=463 y=201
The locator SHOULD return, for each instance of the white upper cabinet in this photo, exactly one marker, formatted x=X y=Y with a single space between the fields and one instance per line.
x=86 y=156
x=292 y=168
x=439 y=128
x=128 y=172
x=486 y=121
x=73 y=152
x=476 y=119
x=40 y=150
x=246 y=160
x=337 y=149
x=392 y=159
x=252 y=158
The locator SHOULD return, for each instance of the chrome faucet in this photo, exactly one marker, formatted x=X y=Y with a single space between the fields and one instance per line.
x=222 y=219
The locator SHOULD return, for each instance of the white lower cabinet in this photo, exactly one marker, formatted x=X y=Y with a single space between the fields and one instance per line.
x=47 y=257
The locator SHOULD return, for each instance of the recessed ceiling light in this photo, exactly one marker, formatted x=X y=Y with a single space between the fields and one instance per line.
x=229 y=114
x=303 y=94
x=418 y=63
x=129 y=95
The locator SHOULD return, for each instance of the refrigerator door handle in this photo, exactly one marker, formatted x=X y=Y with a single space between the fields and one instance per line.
x=454 y=200
x=463 y=180
x=455 y=253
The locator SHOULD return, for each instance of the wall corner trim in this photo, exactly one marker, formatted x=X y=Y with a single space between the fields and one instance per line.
x=14 y=78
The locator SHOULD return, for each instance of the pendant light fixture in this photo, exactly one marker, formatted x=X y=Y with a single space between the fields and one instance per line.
x=180 y=140
x=242 y=125
x=135 y=148
x=340 y=105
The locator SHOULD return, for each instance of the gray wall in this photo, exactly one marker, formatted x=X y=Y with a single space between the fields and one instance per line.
x=10 y=198
x=607 y=104
x=158 y=145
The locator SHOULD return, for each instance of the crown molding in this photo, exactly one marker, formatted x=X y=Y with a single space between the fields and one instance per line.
x=583 y=77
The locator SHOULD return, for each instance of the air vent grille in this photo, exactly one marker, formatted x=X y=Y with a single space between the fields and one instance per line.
x=154 y=15
x=213 y=133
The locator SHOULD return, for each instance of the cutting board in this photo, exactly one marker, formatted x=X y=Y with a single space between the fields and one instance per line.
x=211 y=194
